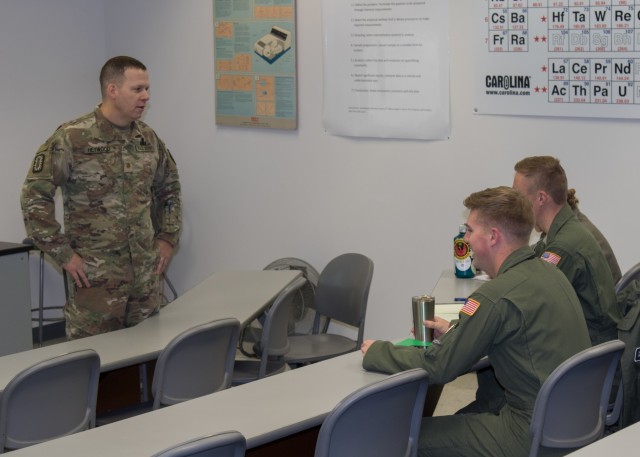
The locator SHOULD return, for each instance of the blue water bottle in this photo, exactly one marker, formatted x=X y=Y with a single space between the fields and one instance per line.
x=462 y=255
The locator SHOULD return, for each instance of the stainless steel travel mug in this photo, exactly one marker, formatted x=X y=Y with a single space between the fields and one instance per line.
x=423 y=307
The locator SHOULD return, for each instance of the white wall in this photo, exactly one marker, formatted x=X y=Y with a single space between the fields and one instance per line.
x=50 y=58
x=252 y=196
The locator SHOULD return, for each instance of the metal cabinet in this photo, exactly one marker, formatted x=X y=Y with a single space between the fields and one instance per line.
x=15 y=299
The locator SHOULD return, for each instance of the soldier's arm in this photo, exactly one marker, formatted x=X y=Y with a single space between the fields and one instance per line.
x=48 y=170
x=167 y=198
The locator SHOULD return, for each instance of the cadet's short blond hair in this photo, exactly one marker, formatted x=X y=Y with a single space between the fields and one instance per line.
x=505 y=208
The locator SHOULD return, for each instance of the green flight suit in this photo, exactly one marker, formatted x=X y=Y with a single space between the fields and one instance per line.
x=605 y=247
x=121 y=192
x=573 y=249
x=570 y=243
x=528 y=320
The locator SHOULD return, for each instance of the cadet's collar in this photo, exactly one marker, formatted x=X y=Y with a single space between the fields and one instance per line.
x=565 y=214
x=516 y=257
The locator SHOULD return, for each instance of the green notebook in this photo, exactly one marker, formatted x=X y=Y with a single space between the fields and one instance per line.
x=412 y=342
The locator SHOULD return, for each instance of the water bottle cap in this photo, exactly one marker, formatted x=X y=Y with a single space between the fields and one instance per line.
x=462 y=228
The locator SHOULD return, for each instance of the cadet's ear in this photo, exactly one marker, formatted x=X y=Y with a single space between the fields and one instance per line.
x=496 y=236
x=542 y=197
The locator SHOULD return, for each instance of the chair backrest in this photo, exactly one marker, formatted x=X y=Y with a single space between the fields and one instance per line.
x=53 y=398
x=197 y=362
x=630 y=275
x=343 y=291
x=225 y=444
x=571 y=406
x=382 y=419
x=626 y=409
x=274 y=340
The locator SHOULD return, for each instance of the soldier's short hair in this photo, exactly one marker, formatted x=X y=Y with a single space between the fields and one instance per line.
x=113 y=70
x=505 y=208
x=546 y=174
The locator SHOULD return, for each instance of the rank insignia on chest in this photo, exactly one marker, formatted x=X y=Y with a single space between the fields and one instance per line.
x=98 y=149
x=551 y=257
x=470 y=307
x=38 y=163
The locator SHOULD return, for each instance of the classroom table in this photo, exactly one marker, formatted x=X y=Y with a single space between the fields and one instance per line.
x=263 y=411
x=450 y=293
x=624 y=443
x=240 y=294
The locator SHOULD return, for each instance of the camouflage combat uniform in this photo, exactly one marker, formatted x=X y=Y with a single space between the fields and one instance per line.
x=120 y=192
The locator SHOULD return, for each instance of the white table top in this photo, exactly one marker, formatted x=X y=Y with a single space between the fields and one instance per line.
x=263 y=411
x=239 y=294
x=450 y=290
x=625 y=443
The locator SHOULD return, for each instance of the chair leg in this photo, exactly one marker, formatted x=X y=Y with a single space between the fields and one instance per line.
x=171 y=288
x=41 y=301
x=144 y=385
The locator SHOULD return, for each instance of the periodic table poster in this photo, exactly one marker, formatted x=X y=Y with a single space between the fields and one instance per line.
x=576 y=58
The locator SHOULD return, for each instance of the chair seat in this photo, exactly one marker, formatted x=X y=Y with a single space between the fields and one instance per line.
x=311 y=348
x=341 y=298
x=245 y=371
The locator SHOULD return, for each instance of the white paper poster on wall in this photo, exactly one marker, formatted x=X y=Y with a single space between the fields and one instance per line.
x=557 y=57
x=386 y=68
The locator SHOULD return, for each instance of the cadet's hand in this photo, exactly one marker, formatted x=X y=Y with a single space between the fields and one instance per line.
x=75 y=267
x=365 y=346
x=439 y=325
x=166 y=251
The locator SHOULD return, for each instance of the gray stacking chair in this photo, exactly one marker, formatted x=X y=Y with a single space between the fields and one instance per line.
x=225 y=444
x=630 y=275
x=341 y=295
x=53 y=398
x=379 y=420
x=571 y=407
x=197 y=362
x=274 y=340
x=624 y=411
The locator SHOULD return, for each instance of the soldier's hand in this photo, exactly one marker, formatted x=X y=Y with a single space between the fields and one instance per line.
x=365 y=346
x=166 y=251
x=439 y=325
x=75 y=267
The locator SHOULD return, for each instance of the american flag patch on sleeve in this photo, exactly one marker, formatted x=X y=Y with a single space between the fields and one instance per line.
x=551 y=257
x=470 y=307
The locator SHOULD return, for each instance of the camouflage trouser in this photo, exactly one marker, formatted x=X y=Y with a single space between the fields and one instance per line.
x=120 y=296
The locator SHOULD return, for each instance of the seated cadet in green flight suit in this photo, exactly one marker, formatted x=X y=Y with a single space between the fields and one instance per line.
x=512 y=319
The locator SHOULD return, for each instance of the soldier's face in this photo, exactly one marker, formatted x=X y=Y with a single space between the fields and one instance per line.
x=132 y=95
x=479 y=238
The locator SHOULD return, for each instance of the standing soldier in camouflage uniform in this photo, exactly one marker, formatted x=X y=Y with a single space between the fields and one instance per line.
x=122 y=206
